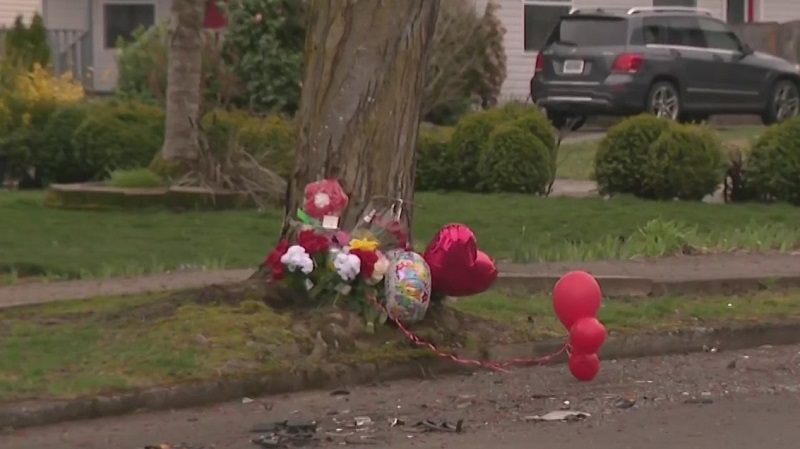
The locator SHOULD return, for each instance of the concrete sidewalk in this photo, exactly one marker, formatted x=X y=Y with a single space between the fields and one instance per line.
x=687 y=268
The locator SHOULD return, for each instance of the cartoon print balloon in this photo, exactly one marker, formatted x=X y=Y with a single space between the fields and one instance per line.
x=584 y=367
x=576 y=295
x=587 y=335
x=458 y=268
x=408 y=287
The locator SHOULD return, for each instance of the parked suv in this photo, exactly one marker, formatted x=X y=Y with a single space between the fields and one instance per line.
x=677 y=63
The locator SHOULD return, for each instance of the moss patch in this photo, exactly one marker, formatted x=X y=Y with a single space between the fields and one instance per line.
x=103 y=345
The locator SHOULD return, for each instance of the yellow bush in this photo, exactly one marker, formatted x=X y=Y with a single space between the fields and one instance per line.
x=36 y=94
x=41 y=85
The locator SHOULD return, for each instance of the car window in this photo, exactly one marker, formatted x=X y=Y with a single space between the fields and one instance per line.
x=686 y=32
x=718 y=36
x=653 y=30
x=585 y=31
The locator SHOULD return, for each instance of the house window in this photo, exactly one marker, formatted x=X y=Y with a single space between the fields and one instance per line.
x=539 y=19
x=121 y=20
x=687 y=3
x=736 y=11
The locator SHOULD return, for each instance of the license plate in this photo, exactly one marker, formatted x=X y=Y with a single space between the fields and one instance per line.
x=573 y=67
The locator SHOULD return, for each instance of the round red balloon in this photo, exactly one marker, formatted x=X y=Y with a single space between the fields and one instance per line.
x=584 y=367
x=576 y=295
x=587 y=335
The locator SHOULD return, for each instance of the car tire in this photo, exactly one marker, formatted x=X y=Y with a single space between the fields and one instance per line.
x=783 y=102
x=663 y=100
x=565 y=122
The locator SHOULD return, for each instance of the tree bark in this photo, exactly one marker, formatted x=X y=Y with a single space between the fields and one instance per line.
x=184 y=80
x=362 y=96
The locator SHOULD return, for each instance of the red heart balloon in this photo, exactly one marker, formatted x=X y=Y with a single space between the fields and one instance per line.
x=576 y=295
x=474 y=279
x=587 y=335
x=584 y=367
x=457 y=267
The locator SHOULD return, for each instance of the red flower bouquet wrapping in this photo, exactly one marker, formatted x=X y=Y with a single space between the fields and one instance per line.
x=324 y=198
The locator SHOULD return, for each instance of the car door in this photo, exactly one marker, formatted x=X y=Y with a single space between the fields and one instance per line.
x=687 y=42
x=740 y=79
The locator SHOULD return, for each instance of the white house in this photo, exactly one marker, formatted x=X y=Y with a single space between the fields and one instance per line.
x=10 y=9
x=83 y=32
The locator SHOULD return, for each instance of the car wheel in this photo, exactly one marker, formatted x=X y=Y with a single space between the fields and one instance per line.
x=663 y=100
x=783 y=103
x=566 y=122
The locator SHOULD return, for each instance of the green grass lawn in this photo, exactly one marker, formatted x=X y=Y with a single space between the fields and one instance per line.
x=576 y=160
x=35 y=239
x=75 y=348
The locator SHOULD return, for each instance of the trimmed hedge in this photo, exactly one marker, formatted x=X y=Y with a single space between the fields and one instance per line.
x=87 y=141
x=464 y=164
x=773 y=165
x=658 y=159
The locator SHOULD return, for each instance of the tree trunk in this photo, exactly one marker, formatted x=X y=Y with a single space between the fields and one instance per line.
x=362 y=95
x=183 y=81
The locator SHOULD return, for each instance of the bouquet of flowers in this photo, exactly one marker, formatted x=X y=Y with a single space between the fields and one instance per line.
x=351 y=267
x=383 y=224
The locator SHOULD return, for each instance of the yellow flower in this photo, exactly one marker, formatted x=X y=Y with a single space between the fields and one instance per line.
x=363 y=244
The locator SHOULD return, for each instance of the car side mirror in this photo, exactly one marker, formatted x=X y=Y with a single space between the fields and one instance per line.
x=747 y=50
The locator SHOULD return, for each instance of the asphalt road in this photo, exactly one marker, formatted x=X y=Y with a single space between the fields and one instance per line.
x=713 y=400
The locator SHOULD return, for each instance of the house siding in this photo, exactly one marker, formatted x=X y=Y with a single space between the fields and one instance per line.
x=10 y=9
x=520 y=63
x=105 y=64
x=778 y=10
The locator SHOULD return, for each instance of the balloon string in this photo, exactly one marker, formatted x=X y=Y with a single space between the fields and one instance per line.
x=498 y=366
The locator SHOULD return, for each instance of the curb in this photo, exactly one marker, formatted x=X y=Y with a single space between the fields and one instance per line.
x=510 y=283
x=638 y=287
x=38 y=413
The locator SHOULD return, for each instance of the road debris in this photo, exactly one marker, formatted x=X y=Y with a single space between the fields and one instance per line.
x=559 y=415
x=285 y=433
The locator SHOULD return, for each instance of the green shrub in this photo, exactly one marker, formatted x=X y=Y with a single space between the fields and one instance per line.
x=118 y=136
x=623 y=152
x=533 y=120
x=54 y=156
x=137 y=178
x=433 y=171
x=264 y=44
x=26 y=46
x=271 y=141
x=514 y=161
x=142 y=66
x=774 y=163
x=220 y=128
x=685 y=162
x=469 y=140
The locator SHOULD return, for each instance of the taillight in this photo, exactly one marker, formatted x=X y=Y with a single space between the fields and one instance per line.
x=539 y=63
x=628 y=63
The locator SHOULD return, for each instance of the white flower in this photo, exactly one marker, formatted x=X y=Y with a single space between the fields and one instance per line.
x=322 y=200
x=296 y=258
x=347 y=265
x=381 y=266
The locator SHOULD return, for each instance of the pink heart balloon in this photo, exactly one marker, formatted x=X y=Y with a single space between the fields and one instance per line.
x=457 y=267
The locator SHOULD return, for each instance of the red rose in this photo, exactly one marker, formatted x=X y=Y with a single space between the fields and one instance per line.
x=313 y=243
x=323 y=198
x=368 y=261
x=273 y=260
